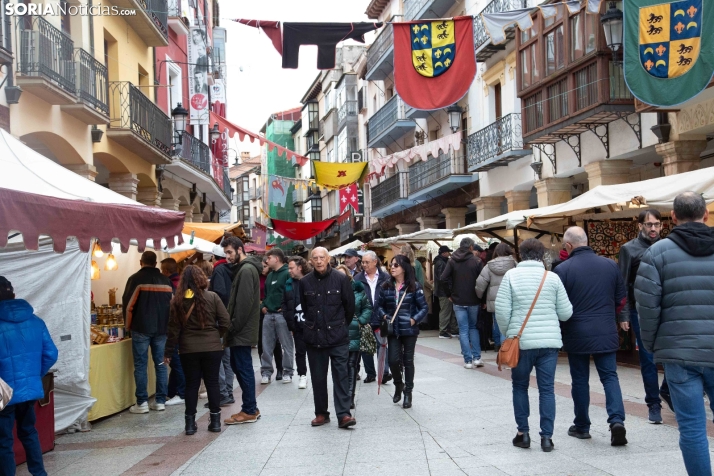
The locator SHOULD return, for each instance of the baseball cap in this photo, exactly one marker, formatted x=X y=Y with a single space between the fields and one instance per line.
x=352 y=252
x=218 y=251
x=444 y=249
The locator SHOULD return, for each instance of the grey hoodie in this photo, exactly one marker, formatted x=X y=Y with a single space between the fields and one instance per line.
x=491 y=277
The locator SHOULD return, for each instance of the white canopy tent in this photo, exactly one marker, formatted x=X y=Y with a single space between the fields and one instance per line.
x=199 y=244
x=349 y=246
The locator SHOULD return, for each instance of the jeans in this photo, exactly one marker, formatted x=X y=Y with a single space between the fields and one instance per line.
x=319 y=359
x=277 y=353
x=352 y=371
x=368 y=361
x=242 y=364
x=686 y=386
x=401 y=355
x=498 y=338
x=447 y=319
x=275 y=328
x=544 y=361
x=206 y=365
x=24 y=414
x=300 y=351
x=140 y=344
x=648 y=368
x=606 y=366
x=177 y=380
x=225 y=376
x=467 y=317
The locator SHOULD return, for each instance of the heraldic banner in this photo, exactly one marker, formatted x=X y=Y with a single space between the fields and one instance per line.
x=669 y=49
x=434 y=61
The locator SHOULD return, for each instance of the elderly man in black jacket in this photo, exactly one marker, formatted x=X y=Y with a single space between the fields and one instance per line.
x=674 y=291
x=329 y=306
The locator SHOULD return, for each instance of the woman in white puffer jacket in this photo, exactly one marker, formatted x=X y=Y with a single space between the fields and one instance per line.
x=541 y=338
x=490 y=278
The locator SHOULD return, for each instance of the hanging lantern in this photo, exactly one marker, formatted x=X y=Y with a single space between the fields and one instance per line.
x=95 y=271
x=111 y=263
x=98 y=253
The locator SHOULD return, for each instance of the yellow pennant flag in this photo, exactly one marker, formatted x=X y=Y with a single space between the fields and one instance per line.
x=338 y=175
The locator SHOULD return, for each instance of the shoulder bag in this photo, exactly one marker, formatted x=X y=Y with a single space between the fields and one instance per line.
x=510 y=349
x=387 y=327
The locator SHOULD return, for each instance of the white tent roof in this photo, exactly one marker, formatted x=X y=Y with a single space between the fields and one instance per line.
x=199 y=244
x=509 y=220
x=349 y=246
x=421 y=236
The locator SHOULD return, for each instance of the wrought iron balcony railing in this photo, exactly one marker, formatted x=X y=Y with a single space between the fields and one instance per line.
x=158 y=11
x=412 y=7
x=390 y=113
x=495 y=139
x=195 y=152
x=496 y=6
x=46 y=51
x=391 y=190
x=425 y=173
x=227 y=189
x=92 y=81
x=131 y=109
x=382 y=43
x=348 y=109
x=174 y=8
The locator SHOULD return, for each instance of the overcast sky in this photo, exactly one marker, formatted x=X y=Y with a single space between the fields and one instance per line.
x=263 y=87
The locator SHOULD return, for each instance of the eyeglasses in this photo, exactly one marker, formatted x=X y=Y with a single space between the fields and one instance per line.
x=653 y=225
x=395 y=265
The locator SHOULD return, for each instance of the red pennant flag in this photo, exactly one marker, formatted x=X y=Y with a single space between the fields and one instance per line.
x=434 y=61
x=300 y=230
x=348 y=198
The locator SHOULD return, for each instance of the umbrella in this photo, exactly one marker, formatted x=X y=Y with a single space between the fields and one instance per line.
x=381 y=357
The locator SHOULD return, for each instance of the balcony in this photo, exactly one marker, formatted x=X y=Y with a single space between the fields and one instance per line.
x=138 y=124
x=255 y=193
x=419 y=9
x=150 y=22
x=328 y=125
x=443 y=173
x=388 y=124
x=193 y=151
x=347 y=110
x=47 y=65
x=482 y=41
x=299 y=196
x=226 y=185
x=390 y=195
x=92 y=88
x=380 y=55
x=176 y=18
x=496 y=145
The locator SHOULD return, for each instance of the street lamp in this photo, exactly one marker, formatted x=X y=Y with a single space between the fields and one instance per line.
x=454 y=112
x=612 y=24
x=537 y=168
x=179 y=114
x=215 y=133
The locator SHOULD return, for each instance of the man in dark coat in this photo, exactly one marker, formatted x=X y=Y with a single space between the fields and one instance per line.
x=244 y=311
x=447 y=319
x=145 y=304
x=597 y=292
x=674 y=291
x=329 y=306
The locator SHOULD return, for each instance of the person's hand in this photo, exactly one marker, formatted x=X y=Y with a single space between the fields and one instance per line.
x=450 y=300
x=413 y=322
x=264 y=310
x=167 y=360
x=625 y=326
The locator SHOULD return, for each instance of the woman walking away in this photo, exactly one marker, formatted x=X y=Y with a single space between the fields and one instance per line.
x=402 y=302
x=490 y=278
x=198 y=320
x=530 y=292
x=363 y=313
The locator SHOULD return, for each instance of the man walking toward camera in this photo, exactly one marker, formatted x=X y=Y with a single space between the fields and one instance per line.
x=274 y=324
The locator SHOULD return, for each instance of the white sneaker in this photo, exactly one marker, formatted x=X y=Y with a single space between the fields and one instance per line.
x=287 y=379
x=265 y=380
x=302 y=383
x=468 y=365
x=175 y=401
x=203 y=395
x=159 y=407
x=136 y=408
x=478 y=363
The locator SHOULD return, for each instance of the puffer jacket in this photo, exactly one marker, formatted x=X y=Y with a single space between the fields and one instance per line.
x=674 y=292
x=26 y=350
x=515 y=297
x=413 y=307
x=363 y=313
x=491 y=277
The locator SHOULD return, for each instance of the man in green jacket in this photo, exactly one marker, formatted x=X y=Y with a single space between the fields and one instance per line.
x=275 y=327
x=244 y=311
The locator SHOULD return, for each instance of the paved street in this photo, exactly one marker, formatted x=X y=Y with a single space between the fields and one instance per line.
x=461 y=423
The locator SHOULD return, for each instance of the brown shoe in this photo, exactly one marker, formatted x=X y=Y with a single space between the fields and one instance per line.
x=242 y=417
x=347 y=421
x=320 y=420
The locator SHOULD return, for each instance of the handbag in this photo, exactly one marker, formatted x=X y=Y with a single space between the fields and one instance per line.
x=510 y=349
x=386 y=328
x=5 y=394
x=367 y=341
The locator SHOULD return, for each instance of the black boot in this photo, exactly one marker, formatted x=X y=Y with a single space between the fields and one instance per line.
x=546 y=444
x=407 y=400
x=398 y=387
x=215 y=425
x=522 y=441
x=190 y=424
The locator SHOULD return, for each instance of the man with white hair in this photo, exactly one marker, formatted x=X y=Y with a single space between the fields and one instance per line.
x=328 y=306
x=596 y=290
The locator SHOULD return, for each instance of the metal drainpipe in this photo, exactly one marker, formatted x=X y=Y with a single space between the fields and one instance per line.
x=8 y=45
x=91 y=28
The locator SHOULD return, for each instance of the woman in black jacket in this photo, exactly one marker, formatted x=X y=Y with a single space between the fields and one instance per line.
x=292 y=311
x=404 y=289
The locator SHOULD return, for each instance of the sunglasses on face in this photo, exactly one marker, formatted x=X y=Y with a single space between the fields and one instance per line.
x=395 y=265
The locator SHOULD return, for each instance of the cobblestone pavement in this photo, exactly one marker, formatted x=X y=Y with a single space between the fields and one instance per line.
x=461 y=423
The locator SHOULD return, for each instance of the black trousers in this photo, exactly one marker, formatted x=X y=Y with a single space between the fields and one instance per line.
x=353 y=370
x=277 y=353
x=300 y=351
x=401 y=355
x=319 y=359
x=207 y=365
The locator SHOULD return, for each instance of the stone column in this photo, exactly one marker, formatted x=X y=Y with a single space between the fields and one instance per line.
x=455 y=217
x=552 y=191
x=405 y=228
x=188 y=209
x=87 y=171
x=170 y=204
x=681 y=156
x=149 y=196
x=426 y=223
x=608 y=172
x=487 y=207
x=124 y=184
x=518 y=200
x=198 y=218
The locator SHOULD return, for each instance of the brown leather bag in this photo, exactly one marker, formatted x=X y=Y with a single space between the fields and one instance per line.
x=510 y=349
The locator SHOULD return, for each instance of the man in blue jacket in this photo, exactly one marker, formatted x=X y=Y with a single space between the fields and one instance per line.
x=26 y=355
x=597 y=292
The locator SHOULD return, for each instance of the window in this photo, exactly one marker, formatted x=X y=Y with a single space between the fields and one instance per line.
x=554 y=55
x=530 y=70
x=556 y=18
x=577 y=47
x=316 y=207
x=558 y=100
x=592 y=24
x=65 y=20
x=246 y=190
x=329 y=101
x=342 y=145
x=533 y=110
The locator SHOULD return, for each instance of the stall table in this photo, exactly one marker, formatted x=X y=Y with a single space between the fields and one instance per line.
x=111 y=378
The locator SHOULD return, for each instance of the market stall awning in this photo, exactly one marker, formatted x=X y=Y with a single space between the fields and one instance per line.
x=349 y=246
x=507 y=221
x=199 y=245
x=40 y=197
x=212 y=231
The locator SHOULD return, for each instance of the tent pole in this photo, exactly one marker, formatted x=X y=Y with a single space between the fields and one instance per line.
x=515 y=242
